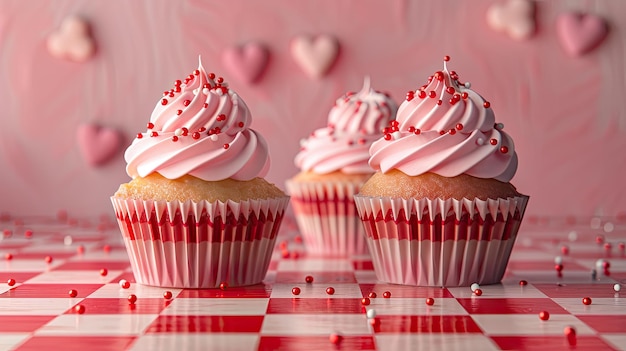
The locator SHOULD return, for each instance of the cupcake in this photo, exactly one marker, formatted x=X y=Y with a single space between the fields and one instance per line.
x=197 y=212
x=440 y=209
x=333 y=163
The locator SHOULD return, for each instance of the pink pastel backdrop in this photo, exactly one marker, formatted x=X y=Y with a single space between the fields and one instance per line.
x=565 y=113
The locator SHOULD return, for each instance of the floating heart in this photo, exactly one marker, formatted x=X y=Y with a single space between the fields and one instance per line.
x=72 y=40
x=315 y=55
x=580 y=33
x=515 y=17
x=246 y=62
x=98 y=144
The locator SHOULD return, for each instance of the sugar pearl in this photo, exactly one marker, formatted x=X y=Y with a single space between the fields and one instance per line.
x=474 y=286
x=617 y=287
x=371 y=313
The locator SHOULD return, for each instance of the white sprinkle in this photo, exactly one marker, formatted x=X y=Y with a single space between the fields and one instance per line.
x=595 y=223
x=178 y=132
x=600 y=264
x=205 y=91
x=617 y=287
x=195 y=91
x=122 y=282
x=474 y=286
x=396 y=135
x=572 y=236
x=480 y=141
x=608 y=227
x=558 y=260
x=468 y=85
x=213 y=137
x=371 y=313
x=67 y=240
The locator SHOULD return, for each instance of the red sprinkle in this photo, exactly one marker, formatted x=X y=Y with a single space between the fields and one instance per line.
x=139 y=135
x=330 y=290
x=150 y=125
x=73 y=293
x=459 y=126
x=104 y=272
x=493 y=142
x=174 y=138
x=164 y=102
x=154 y=134
x=132 y=298
x=223 y=285
x=11 y=282
x=430 y=301
x=478 y=292
x=48 y=259
x=365 y=301
x=421 y=94
x=504 y=149
x=167 y=295
x=80 y=309
x=226 y=146
x=8 y=256
x=544 y=315
x=195 y=135
x=308 y=279
x=179 y=112
x=295 y=291
x=372 y=295
x=486 y=104
x=586 y=300
x=446 y=58
x=523 y=283
x=387 y=294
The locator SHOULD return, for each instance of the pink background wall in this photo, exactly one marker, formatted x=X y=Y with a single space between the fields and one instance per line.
x=565 y=113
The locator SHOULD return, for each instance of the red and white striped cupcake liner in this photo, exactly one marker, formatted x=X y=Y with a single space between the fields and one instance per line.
x=199 y=245
x=327 y=217
x=440 y=242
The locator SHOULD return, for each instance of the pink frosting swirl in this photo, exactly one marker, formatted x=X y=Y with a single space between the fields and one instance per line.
x=200 y=128
x=353 y=125
x=446 y=128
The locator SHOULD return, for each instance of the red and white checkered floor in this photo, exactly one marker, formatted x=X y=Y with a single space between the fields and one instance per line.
x=43 y=259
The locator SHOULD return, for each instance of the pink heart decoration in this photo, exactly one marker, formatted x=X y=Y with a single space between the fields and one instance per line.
x=72 y=40
x=98 y=144
x=246 y=62
x=315 y=55
x=515 y=17
x=580 y=33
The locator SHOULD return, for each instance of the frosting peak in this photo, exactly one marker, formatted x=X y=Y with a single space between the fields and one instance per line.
x=353 y=124
x=200 y=127
x=446 y=128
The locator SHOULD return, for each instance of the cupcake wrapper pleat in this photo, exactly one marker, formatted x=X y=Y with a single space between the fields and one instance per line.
x=199 y=245
x=327 y=217
x=440 y=242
